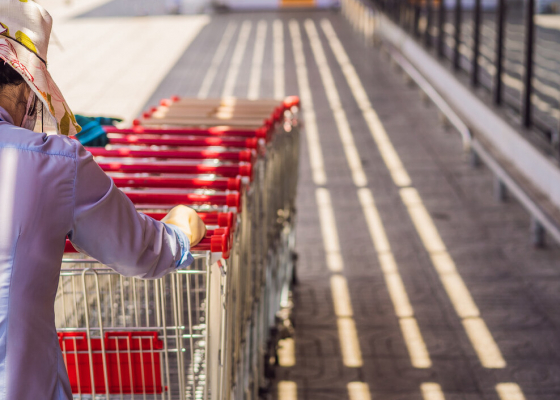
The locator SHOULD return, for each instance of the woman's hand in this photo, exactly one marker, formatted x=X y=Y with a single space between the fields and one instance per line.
x=186 y=219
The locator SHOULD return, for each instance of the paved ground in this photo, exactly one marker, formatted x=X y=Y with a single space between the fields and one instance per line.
x=414 y=282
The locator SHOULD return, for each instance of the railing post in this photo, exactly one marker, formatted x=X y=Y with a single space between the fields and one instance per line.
x=441 y=30
x=403 y=14
x=474 y=159
x=476 y=42
x=416 y=18
x=499 y=59
x=429 y=17
x=538 y=233
x=458 y=19
x=500 y=190
x=409 y=16
x=529 y=48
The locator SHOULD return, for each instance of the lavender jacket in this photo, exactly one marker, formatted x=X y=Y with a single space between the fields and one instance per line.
x=50 y=188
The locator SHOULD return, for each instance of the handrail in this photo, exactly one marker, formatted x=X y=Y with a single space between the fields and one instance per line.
x=470 y=143
x=529 y=204
x=438 y=101
x=542 y=221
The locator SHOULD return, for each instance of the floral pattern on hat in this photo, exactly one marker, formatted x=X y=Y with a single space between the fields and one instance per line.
x=26 y=51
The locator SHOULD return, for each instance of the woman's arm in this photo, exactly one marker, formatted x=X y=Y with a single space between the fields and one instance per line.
x=107 y=227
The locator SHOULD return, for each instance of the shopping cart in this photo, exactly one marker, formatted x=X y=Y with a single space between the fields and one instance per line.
x=267 y=272
x=135 y=337
x=203 y=332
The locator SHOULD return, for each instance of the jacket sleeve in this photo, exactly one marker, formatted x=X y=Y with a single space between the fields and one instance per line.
x=107 y=227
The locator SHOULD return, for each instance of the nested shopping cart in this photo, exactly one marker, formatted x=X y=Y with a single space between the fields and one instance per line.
x=268 y=266
x=185 y=296
x=127 y=338
x=269 y=262
x=203 y=332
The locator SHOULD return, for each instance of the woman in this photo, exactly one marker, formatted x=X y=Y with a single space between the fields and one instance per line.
x=51 y=188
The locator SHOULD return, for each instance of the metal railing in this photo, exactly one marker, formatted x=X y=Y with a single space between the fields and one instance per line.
x=364 y=19
x=504 y=47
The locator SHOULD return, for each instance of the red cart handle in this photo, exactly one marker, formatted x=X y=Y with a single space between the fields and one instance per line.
x=243 y=155
x=182 y=141
x=223 y=220
x=215 y=244
x=177 y=183
x=242 y=169
x=291 y=101
x=220 y=131
x=143 y=197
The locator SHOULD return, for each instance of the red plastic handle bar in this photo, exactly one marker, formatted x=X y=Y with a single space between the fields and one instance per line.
x=181 y=141
x=223 y=220
x=215 y=244
x=219 y=131
x=222 y=231
x=219 y=244
x=243 y=155
x=158 y=182
x=291 y=101
x=140 y=197
x=219 y=232
x=209 y=233
x=242 y=169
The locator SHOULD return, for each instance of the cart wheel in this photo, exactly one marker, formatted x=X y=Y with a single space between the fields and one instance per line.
x=294 y=270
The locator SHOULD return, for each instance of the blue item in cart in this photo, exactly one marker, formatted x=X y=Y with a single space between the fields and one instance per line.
x=92 y=133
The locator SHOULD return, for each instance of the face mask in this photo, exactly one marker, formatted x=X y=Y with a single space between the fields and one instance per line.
x=30 y=117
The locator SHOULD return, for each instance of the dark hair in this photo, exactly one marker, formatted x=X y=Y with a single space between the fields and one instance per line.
x=8 y=75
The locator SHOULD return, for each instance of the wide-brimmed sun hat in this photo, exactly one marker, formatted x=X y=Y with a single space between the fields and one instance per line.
x=25 y=30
